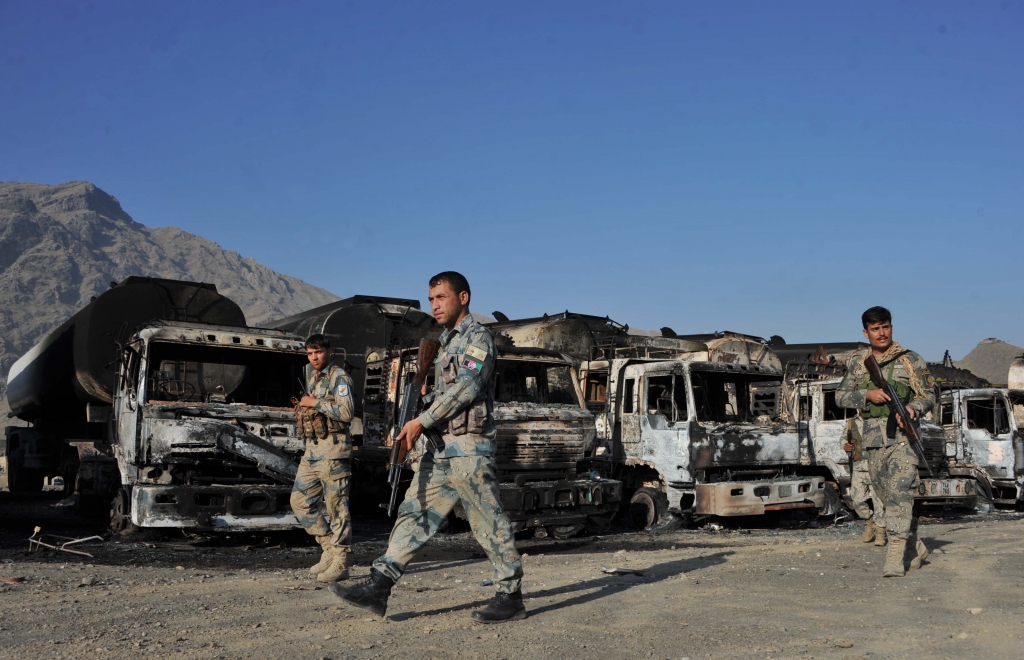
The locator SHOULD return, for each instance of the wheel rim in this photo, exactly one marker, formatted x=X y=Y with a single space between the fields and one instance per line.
x=642 y=511
x=120 y=512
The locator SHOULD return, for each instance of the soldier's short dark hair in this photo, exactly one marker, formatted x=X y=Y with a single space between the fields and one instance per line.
x=456 y=281
x=317 y=342
x=874 y=315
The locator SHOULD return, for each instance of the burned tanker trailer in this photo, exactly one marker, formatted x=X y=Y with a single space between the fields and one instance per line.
x=180 y=414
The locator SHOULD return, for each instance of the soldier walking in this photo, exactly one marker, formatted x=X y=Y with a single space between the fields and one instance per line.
x=892 y=463
x=464 y=471
x=320 y=494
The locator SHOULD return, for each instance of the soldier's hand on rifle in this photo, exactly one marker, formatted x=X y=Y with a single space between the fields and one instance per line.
x=848 y=447
x=878 y=396
x=911 y=412
x=407 y=438
x=308 y=401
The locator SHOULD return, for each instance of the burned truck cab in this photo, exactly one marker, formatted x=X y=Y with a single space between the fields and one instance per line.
x=202 y=427
x=545 y=438
x=696 y=437
x=984 y=433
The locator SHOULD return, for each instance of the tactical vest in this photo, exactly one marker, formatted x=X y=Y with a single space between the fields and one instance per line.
x=904 y=391
x=478 y=416
x=317 y=426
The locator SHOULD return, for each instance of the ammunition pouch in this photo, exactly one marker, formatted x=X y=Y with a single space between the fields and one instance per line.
x=473 y=419
x=314 y=425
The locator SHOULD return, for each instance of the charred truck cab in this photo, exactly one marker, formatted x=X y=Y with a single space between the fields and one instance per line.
x=692 y=436
x=545 y=438
x=202 y=428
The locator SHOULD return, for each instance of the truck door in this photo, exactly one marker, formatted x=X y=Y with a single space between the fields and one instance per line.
x=828 y=429
x=990 y=434
x=629 y=409
x=665 y=414
x=128 y=401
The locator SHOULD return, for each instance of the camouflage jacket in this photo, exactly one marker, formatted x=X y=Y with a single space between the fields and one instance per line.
x=332 y=389
x=464 y=400
x=908 y=373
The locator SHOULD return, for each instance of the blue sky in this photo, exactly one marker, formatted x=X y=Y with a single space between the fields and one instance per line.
x=772 y=168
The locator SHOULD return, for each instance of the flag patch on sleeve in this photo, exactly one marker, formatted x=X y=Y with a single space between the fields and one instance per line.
x=470 y=363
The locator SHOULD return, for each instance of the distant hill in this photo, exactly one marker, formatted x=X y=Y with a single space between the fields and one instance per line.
x=60 y=245
x=991 y=360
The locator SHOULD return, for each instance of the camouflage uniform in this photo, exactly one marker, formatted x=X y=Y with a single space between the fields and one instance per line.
x=892 y=463
x=465 y=470
x=861 y=491
x=322 y=480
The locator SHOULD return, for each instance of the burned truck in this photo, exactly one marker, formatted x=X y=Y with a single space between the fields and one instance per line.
x=544 y=438
x=181 y=413
x=690 y=424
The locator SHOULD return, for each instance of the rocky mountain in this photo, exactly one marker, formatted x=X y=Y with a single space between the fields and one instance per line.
x=60 y=245
x=991 y=360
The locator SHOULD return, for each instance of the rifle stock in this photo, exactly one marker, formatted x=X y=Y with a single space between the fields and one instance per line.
x=410 y=409
x=895 y=404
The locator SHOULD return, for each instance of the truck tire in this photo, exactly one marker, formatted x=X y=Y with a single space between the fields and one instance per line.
x=121 y=513
x=648 y=509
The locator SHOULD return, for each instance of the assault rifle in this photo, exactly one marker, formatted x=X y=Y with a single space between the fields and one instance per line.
x=897 y=406
x=410 y=409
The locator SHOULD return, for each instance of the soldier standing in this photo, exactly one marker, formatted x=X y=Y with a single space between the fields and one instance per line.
x=861 y=491
x=892 y=463
x=320 y=494
x=464 y=471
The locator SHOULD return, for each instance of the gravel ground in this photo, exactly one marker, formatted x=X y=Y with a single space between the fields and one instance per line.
x=731 y=593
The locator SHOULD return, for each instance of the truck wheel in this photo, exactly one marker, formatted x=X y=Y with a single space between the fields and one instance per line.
x=121 y=513
x=983 y=503
x=648 y=509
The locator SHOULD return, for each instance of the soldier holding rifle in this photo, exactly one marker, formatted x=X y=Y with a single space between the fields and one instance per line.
x=463 y=469
x=887 y=438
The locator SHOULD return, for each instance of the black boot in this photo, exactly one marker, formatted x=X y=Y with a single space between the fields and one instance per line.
x=370 y=594
x=504 y=607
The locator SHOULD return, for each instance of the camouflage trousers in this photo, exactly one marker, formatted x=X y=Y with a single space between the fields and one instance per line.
x=437 y=486
x=320 y=499
x=894 y=479
x=861 y=491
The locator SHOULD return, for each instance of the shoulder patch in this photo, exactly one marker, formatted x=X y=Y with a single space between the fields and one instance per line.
x=476 y=353
x=342 y=388
x=470 y=363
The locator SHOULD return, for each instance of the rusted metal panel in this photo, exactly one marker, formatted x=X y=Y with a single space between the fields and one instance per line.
x=743 y=498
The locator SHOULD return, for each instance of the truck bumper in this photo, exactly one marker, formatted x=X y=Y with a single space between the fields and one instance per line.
x=942 y=491
x=754 y=498
x=560 y=503
x=216 y=508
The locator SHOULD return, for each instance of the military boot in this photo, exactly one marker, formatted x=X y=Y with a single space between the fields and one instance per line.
x=918 y=549
x=870 y=530
x=504 y=607
x=880 y=536
x=325 y=556
x=370 y=594
x=337 y=569
x=894 y=566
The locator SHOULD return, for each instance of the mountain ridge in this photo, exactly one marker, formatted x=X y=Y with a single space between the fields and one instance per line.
x=62 y=244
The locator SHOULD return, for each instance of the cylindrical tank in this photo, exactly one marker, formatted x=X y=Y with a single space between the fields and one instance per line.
x=571 y=334
x=74 y=364
x=359 y=324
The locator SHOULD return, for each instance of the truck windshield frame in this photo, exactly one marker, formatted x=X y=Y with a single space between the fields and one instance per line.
x=731 y=397
x=203 y=374
x=534 y=381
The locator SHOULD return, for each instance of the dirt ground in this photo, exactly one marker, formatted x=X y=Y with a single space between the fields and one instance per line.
x=732 y=593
